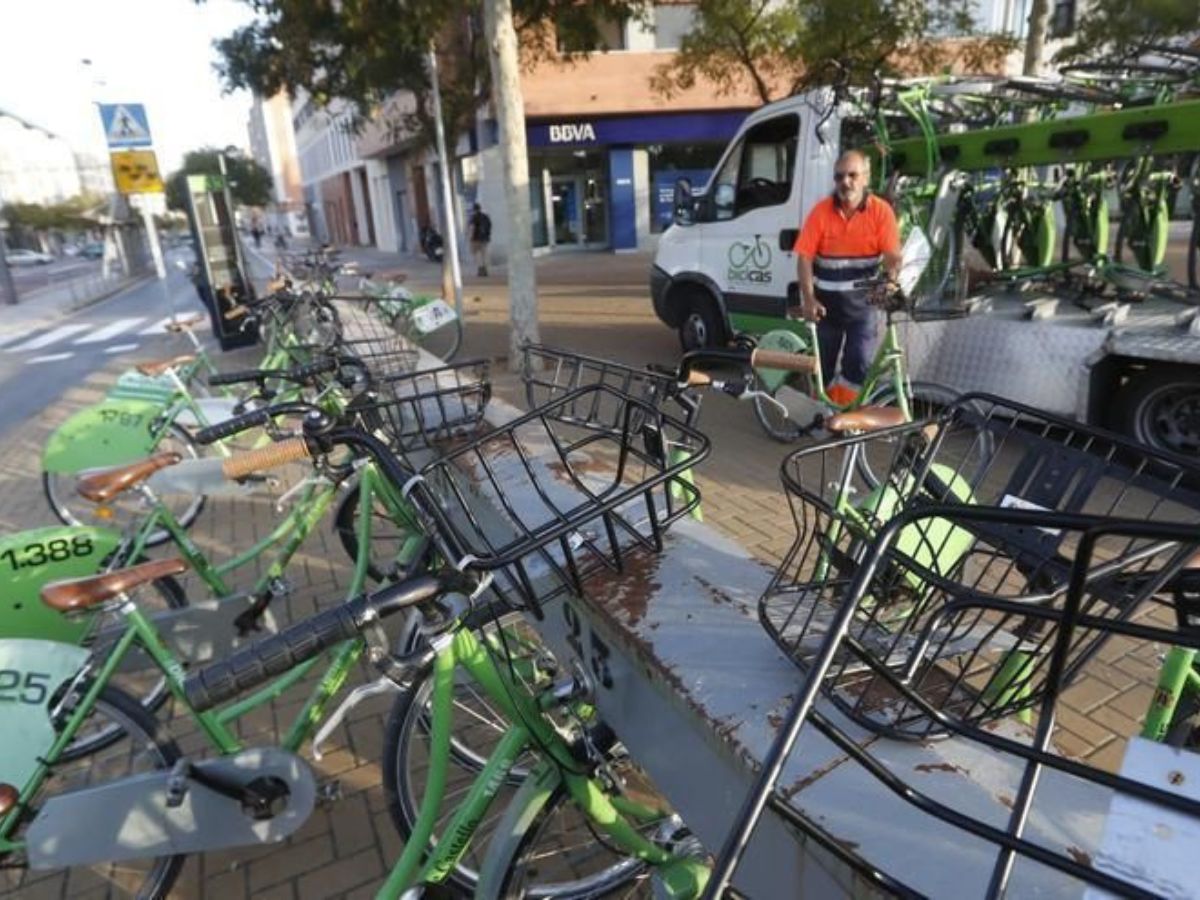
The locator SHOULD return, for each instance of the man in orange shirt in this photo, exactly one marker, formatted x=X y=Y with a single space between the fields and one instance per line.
x=844 y=239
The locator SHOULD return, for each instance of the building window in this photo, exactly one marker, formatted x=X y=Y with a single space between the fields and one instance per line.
x=671 y=23
x=610 y=35
x=1062 y=19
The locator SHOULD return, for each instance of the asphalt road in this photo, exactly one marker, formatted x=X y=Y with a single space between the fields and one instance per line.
x=38 y=366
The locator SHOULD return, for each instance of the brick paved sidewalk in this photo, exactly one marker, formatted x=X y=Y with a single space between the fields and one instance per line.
x=346 y=846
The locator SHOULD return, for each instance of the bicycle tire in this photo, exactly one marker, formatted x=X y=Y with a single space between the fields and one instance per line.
x=70 y=509
x=407 y=718
x=1193 y=254
x=174 y=597
x=387 y=537
x=146 y=733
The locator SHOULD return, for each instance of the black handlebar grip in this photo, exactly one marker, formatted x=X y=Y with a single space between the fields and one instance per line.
x=236 y=425
x=308 y=370
x=275 y=655
x=222 y=378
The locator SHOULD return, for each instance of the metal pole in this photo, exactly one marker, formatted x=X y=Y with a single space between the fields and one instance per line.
x=160 y=268
x=451 y=242
x=6 y=279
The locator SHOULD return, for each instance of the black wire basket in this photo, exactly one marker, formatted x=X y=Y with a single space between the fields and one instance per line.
x=367 y=334
x=982 y=453
x=550 y=373
x=1060 y=819
x=426 y=409
x=546 y=503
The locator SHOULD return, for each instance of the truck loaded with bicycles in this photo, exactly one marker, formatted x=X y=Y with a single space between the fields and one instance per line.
x=1047 y=204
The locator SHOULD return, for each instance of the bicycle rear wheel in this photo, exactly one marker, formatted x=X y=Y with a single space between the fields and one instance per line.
x=147 y=749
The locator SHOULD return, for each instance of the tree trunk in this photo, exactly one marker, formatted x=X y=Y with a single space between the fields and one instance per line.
x=1035 y=40
x=510 y=112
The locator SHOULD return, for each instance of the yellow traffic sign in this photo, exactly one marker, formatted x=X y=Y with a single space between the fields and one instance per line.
x=136 y=172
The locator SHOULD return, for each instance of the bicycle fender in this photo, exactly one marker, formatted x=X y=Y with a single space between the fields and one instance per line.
x=31 y=671
x=27 y=563
x=519 y=817
x=107 y=434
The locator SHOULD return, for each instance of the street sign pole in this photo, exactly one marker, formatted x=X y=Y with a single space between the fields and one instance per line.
x=160 y=268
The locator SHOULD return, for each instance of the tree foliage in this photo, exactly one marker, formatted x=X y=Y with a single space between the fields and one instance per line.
x=249 y=182
x=1125 y=27
x=366 y=51
x=781 y=48
x=70 y=215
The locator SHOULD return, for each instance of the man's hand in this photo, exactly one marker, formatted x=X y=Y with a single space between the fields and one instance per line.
x=812 y=310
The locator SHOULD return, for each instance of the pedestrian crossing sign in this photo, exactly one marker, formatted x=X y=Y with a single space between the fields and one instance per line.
x=136 y=172
x=125 y=125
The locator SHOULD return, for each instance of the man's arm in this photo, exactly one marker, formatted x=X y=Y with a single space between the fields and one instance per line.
x=810 y=307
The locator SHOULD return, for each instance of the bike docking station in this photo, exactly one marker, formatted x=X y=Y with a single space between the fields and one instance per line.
x=670 y=648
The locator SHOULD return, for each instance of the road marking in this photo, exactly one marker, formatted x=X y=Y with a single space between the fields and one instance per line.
x=50 y=337
x=9 y=338
x=111 y=330
x=120 y=348
x=159 y=327
x=51 y=357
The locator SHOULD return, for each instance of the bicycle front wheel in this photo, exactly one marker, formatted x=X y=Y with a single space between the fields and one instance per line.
x=478 y=726
x=71 y=509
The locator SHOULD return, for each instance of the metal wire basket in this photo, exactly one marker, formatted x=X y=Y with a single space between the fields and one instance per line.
x=425 y=409
x=550 y=373
x=910 y=623
x=1032 y=819
x=367 y=334
x=546 y=503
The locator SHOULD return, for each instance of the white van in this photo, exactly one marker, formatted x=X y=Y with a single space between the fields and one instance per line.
x=726 y=264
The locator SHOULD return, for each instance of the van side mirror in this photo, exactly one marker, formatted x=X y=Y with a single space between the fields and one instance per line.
x=683 y=205
x=724 y=199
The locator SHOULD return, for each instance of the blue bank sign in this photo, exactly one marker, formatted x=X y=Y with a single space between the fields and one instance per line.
x=633 y=130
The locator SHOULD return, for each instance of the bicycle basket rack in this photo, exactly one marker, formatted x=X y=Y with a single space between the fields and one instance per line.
x=420 y=410
x=549 y=373
x=1047 y=821
x=903 y=641
x=545 y=503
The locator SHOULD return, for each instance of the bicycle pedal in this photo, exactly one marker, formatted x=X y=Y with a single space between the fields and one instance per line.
x=331 y=791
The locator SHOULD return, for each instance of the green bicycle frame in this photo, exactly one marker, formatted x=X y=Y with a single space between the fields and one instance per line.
x=611 y=815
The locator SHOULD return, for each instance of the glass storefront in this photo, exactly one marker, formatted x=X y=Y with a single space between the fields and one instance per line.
x=578 y=197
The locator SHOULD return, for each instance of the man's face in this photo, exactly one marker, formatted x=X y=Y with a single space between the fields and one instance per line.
x=850 y=181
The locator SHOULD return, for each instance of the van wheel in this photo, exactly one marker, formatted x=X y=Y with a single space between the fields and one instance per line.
x=702 y=326
x=1161 y=408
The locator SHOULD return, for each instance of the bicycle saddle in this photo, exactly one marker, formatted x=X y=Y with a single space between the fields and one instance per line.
x=865 y=418
x=159 y=366
x=101 y=485
x=81 y=593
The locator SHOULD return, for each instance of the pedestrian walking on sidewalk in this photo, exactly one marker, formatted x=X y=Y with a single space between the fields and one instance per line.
x=481 y=234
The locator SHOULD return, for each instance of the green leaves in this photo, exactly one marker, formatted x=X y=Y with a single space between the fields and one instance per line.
x=249 y=182
x=1120 y=27
x=780 y=48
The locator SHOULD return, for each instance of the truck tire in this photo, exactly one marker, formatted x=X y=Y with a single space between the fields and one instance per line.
x=702 y=325
x=1161 y=408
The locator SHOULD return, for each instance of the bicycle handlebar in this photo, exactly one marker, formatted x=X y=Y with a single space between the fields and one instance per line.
x=256 y=418
x=299 y=374
x=279 y=454
x=281 y=652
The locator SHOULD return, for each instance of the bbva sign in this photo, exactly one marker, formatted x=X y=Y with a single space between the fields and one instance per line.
x=572 y=133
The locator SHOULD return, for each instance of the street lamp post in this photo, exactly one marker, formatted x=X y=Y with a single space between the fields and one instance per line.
x=6 y=279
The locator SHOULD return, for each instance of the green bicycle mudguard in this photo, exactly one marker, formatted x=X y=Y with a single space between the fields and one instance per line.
x=1160 y=223
x=1044 y=228
x=108 y=434
x=31 y=559
x=779 y=339
x=935 y=544
x=31 y=672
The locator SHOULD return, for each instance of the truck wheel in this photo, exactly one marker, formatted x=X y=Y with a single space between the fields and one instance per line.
x=702 y=326
x=1161 y=408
